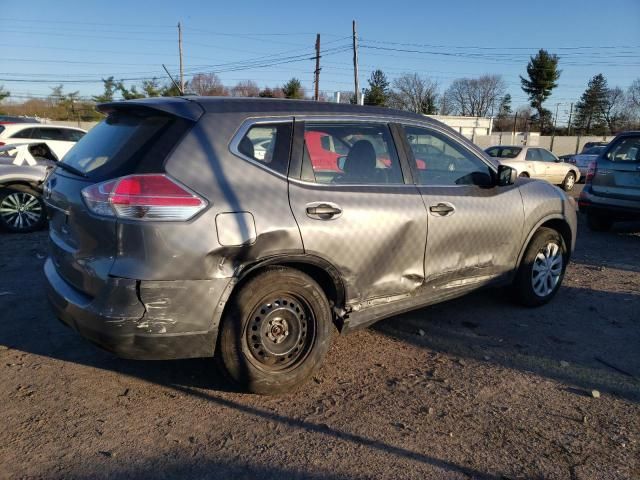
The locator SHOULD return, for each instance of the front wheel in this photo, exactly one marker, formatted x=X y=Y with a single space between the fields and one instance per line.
x=524 y=175
x=542 y=268
x=569 y=182
x=21 y=209
x=275 y=332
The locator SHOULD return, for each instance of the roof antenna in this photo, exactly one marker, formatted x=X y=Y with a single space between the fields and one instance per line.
x=175 y=84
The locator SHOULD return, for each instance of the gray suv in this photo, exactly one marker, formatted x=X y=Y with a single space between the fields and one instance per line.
x=612 y=187
x=248 y=228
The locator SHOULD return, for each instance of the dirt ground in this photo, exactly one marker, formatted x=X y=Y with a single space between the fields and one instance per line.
x=474 y=388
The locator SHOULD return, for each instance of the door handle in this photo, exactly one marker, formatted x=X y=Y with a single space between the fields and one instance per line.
x=323 y=211
x=441 y=209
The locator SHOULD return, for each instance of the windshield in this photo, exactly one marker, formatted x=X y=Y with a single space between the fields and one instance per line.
x=504 y=152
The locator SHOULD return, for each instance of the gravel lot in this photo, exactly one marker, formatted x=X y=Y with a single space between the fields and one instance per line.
x=474 y=388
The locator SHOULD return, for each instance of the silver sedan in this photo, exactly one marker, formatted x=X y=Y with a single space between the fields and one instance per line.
x=536 y=162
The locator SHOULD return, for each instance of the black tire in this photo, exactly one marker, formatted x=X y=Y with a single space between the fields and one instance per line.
x=21 y=209
x=254 y=348
x=524 y=175
x=569 y=182
x=525 y=280
x=598 y=222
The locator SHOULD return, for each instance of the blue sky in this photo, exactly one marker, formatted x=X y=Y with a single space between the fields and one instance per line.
x=79 y=42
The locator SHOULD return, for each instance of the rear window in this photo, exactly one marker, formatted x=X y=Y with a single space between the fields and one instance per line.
x=125 y=143
x=504 y=152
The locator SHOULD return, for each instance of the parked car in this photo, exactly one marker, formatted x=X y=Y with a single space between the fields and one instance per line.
x=59 y=138
x=170 y=238
x=23 y=169
x=583 y=160
x=612 y=187
x=536 y=162
x=4 y=119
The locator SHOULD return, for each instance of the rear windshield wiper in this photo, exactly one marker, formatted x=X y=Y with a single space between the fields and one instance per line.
x=71 y=169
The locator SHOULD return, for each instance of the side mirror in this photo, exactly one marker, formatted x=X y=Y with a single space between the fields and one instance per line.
x=341 y=161
x=506 y=176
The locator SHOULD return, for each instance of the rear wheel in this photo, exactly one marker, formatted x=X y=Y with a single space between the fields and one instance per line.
x=542 y=268
x=598 y=222
x=276 y=331
x=569 y=182
x=21 y=209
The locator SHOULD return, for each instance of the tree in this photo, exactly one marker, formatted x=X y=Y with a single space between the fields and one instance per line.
x=110 y=88
x=208 y=84
x=293 y=89
x=129 y=93
x=152 y=88
x=378 y=91
x=3 y=93
x=475 y=97
x=615 y=109
x=414 y=93
x=504 y=110
x=634 y=93
x=590 y=108
x=543 y=74
x=246 y=88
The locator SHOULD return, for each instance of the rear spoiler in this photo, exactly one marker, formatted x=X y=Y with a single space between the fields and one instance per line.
x=178 y=106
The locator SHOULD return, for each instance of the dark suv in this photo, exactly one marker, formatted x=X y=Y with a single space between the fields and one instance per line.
x=188 y=227
x=612 y=187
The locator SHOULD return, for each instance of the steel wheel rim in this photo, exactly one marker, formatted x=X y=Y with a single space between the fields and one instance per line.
x=20 y=210
x=570 y=181
x=547 y=269
x=280 y=333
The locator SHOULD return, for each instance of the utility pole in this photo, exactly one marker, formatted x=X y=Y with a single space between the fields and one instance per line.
x=555 y=123
x=317 y=72
x=180 y=51
x=570 y=114
x=355 y=63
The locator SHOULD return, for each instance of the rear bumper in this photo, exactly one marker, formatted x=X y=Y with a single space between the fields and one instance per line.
x=143 y=320
x=618 y=208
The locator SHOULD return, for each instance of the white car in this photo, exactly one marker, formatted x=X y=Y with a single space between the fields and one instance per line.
x=59 y=138
x=536 y=162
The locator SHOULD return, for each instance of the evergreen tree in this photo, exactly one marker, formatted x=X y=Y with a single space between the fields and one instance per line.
x=504 y=110
x=543 y=73
x=591 y=107
x=378 y=91
x=293 y=89
x=3 y=93
x=110 y=87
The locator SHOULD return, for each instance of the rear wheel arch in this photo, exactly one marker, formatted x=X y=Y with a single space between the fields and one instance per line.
x=320 y=270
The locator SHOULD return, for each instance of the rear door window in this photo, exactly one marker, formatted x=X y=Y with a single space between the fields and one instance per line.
x=533 y=154
x=546 y=155
x=47 y=134
x=350 y=153
x=71 y=135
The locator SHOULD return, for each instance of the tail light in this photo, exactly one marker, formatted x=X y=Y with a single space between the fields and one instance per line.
x=2 y=144
x=593 y=167
x=143 y=197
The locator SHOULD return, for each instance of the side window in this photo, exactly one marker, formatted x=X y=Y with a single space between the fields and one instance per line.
x=71 y=135
x=25 y=133
x=625 y=150
x=440 y=160
x=350 y=153
x=47 y=134
x=533 y=154
x=547 y=156
x=268 y=144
